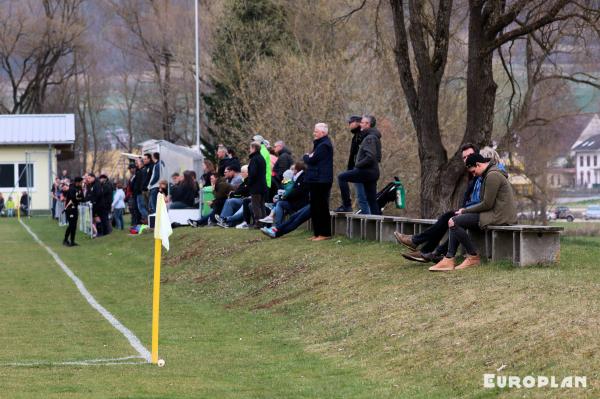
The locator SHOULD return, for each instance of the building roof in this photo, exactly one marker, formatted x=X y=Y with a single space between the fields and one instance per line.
x=590 y=143
x=37 y=129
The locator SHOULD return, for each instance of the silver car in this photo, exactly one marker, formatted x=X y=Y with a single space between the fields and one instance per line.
x=592 y=212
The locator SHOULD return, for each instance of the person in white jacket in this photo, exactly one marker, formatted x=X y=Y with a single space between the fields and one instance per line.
x=118 y=206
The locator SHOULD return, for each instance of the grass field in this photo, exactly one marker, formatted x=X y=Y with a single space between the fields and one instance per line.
x=243 y=316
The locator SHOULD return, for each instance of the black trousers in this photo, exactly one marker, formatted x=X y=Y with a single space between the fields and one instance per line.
x=459 y=235
x=258 y=207
x=433 y=235
x=72 y=216
x=319 y=208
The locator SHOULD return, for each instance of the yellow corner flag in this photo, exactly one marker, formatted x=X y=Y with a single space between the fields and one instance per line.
x=162 y=231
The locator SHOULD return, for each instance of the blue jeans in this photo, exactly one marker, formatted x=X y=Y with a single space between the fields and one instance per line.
x=295 y=220
x=281 y=208
x=152 y=200
x=361 y=196
x=141 y=205
x=232 y=205
x=236 y=218
x=368 y=179
x=118 y=215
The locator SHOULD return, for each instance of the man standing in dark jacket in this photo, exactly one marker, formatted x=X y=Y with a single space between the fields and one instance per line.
x=366 y=169
x=107 y=196
x=319 y=176
x=283 y=163
x=138 y=190
x=94 y=195
x=226 y=159
x=73 y=197
x=257 y=185
x=358 y=134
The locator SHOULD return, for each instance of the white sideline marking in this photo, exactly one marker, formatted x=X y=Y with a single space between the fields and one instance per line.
x=130 y=336
x=92 y=362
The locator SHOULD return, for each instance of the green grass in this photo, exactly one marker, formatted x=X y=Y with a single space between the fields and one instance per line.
x=316 y=320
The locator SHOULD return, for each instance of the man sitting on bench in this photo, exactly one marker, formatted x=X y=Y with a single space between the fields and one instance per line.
x=497 y=207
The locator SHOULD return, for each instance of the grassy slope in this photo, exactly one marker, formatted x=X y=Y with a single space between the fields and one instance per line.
x=210 y=352
x=415 y=334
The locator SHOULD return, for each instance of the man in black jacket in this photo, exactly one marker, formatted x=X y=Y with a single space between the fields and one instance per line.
x=283 y=163
x=358 y=134
x=106 y=198
x=138 y=190
x=319 y=177
x=73 y=196
x=93 y=194
x=226 y=159
x=257 y=185
x=366 y=169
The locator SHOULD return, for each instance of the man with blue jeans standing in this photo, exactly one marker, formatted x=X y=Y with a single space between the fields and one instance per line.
x=358 y=134
x=366 y=169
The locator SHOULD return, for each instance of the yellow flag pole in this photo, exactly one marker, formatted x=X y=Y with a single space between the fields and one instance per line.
x=156 y=300
x=19 y=207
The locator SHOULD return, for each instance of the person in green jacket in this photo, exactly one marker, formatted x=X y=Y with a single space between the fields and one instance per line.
x=264 y=152
x=497 y=207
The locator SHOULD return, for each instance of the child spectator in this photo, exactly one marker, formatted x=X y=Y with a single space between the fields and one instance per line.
x=10 y=207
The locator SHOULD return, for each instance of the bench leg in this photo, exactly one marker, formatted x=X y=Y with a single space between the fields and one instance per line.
x=502 y=245
x=354 y=228
x=338 y=227
x=538 y=248
x=479 y=239
x=386 y=231
x=370 y=230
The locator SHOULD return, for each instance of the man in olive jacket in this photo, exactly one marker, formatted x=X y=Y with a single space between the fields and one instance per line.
x=497 y=207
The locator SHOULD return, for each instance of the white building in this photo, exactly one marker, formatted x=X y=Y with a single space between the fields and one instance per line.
x=28 y=148
x=586 y=154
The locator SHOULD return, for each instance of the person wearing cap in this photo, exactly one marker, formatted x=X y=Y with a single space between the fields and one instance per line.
x=319 y=177
x=366 y=168
x=73 y=197
x=264 y=152
x=497 y=207
x=358 y=134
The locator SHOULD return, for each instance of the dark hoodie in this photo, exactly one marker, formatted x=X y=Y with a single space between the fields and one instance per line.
x=357 y=138
x=284 y=162
x=369 y=152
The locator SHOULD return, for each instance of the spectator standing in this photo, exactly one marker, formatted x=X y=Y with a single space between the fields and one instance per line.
x=118 y=207
x=138 y=190
x=226 y=159
x=73 y=196
x=264 y=152
x=106 y=200
x=1 y=205
x=319 y=177
x=283 y=163
x=24 y=204
x=357 y=137
x=366 y=169
x=257 y=186
x=130 y=197
x=10 y=207
x=153 y=184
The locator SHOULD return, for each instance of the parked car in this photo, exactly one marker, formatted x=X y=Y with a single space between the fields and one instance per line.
x=563 y=212
x=592 y=212
x=530 y=215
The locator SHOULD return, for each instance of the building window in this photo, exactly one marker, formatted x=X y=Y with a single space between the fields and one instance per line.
x=559 y=180
x=595 y=160
x=581 y=178
x=589 y=177
x=16 y=175
x=26 y=175
x=581 y=162
x=7 y=176
x=588 y=161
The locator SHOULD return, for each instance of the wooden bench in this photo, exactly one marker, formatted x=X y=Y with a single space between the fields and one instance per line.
x=521 y=244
